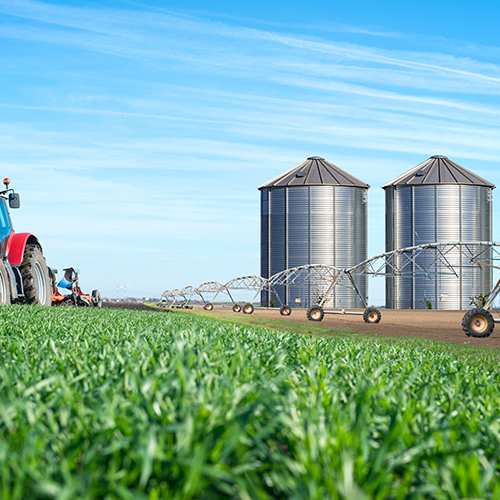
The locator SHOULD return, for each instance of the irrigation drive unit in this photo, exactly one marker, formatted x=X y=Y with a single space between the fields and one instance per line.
x=313 y=214
x=438 y=200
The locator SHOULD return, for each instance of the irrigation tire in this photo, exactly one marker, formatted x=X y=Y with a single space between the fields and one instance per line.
x=478 y=323
x=236 y=308
x=96 y=299
x=248 y=308
x=35 y=274
x=315 y=313
x=285 y=310
x=5 y=296
x=208 y=306
x=372 y=315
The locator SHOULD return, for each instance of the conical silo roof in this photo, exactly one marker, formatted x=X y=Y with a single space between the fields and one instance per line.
x=315 y=171
x=438 y=170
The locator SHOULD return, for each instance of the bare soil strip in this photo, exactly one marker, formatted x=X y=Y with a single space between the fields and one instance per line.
x=443 y=326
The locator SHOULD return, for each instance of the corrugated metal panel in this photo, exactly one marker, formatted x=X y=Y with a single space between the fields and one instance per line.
x=322 y=235
x=298 y=227
x=424 y=204
x=403 y=235
x=322 y=217
x=403 y=222
x=361 y=231
x=315 y=225
x=449 y=293
x=264 y=240
x=389 y=245
x=277 y=234
x=418 y=214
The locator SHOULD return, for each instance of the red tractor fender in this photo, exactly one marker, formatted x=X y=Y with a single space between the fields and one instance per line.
x=15 y=245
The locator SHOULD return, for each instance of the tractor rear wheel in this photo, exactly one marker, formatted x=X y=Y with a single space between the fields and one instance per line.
x=5 y=297
x=478 y=323
x=35 y=274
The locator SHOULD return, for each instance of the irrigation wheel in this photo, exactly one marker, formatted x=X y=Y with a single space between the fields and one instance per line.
x=248 y=308
x=285 y=310
x=208 y=306
x=372 y=315
x=236 y=308
x=315 y=313
x=478 y=323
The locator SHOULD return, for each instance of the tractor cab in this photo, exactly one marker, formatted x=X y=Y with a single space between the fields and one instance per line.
x=12 y=197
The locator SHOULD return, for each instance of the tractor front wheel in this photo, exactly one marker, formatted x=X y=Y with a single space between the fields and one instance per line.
x=35 y=274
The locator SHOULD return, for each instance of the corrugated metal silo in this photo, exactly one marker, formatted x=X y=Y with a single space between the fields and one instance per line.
x=313 y=214
x=438 y=201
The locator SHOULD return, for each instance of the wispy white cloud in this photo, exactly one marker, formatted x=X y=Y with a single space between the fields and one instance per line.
x=147 y=34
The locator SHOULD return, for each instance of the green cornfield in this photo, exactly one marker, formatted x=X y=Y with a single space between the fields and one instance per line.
x=117 y=404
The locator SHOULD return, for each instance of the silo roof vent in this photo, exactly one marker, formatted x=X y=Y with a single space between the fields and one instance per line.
x=438 y=170
x=315 y=171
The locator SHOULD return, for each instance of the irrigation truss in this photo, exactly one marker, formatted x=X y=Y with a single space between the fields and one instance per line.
x=427 y=260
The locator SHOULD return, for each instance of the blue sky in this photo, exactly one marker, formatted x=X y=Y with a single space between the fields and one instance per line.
x=137 y=133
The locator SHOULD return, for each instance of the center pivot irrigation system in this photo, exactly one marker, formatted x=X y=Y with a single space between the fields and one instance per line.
x=429 y=261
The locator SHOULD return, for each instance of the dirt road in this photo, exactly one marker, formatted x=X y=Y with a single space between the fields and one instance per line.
x=445 y=326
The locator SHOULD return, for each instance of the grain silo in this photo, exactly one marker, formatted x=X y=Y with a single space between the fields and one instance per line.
x=438 y=201
x=313 y=214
